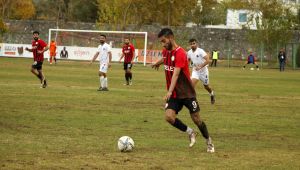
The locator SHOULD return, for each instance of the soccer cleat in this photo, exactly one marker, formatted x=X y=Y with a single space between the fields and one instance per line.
x=104 y=89
x=44 y=85
x=130 y=83
x=192 y=138
x=212 y=99
x=100 y=89
x=210 y=146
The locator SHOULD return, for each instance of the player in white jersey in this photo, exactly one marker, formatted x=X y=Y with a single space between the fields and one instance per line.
x=104 y=53
x=200 y=60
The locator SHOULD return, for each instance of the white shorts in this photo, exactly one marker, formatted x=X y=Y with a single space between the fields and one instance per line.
x=203 y=76
x=103 y=68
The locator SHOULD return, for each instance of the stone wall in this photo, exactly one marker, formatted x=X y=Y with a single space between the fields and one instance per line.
x=229 y=42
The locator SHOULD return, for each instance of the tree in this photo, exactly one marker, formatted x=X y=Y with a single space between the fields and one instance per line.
x=17 y=9
x=275 y=28
x=66 y=10
x=122 y=12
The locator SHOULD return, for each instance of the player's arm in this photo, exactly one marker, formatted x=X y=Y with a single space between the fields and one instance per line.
x=45 y=49
x=28 y=49
x=206 y=62
x=157 y=64
x=133 y=54
x=122 y=56
x=110 y=57
x=175 y=76
x=94 y=58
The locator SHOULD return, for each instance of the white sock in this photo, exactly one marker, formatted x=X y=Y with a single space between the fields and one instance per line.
x=102 y=81
x=189 y=130
x=212 y=93
x=105 y=82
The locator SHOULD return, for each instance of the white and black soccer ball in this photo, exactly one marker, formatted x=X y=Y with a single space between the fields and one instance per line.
x=125 y=144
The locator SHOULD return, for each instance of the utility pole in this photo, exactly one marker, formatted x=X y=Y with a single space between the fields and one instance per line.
x=169 y=12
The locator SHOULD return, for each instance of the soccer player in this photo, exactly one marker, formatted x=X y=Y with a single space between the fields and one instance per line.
x=251 y=60
x=200 y=60
x=52 y=50
x=180 y=89
x=104 y=50
x=38 y=48
x=128 y=53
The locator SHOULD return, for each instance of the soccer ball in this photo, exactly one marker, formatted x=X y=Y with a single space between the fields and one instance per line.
x=125 y=144
x=251 y=68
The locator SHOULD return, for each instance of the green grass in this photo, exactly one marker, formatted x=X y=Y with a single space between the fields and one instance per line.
x=255 y=123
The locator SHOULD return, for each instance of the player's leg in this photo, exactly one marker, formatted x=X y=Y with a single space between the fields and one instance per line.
x=54 y=57
x=39 y=68
x=204 y=77
x=50 y=58
x=194 y=109
x=195 y=78
x=103 y=81
x=280 y=66
x=44 y=81
x=129 y=66
x=35 y=72
x=126 y=74
x=245 y=65
x=103 y=78
x=257 y=68
x=173 y=106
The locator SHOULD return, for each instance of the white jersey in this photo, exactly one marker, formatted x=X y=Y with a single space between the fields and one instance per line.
x=103 y=53
x=197 y=57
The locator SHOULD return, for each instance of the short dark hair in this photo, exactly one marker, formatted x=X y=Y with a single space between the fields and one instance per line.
x=165 y=32
x=36 y=32
x=102 y=35
x=192 y=40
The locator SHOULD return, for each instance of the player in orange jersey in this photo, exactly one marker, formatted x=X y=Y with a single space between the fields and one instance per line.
x=52 y=50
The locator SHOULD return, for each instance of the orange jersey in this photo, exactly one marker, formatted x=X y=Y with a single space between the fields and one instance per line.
x=52 y=47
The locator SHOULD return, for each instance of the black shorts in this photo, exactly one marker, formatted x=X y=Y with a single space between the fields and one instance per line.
x=177 y=104
x=37 y=65
x=127 y=66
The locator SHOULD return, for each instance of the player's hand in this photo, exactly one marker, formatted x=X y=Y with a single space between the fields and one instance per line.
x=155 y=66
x=26 y=48
x=198 y=67
x=40 y=51
x=168 y=96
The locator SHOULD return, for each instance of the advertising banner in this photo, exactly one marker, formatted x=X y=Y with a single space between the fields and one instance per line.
x=1 y=49
x=151 y=56
x=70 y=52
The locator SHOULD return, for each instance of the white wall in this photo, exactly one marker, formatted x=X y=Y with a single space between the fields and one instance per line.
x=235 y=18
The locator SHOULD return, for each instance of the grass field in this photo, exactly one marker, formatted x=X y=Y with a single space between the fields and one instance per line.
x=255 y=123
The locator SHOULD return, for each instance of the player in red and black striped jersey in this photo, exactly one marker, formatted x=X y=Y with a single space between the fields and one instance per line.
x=38 y=49
x=180 y=89
x=128 y=53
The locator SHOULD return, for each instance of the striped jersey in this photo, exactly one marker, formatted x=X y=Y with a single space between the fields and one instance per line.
x=128 y=51
x=38 y=46
x=178 y=58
